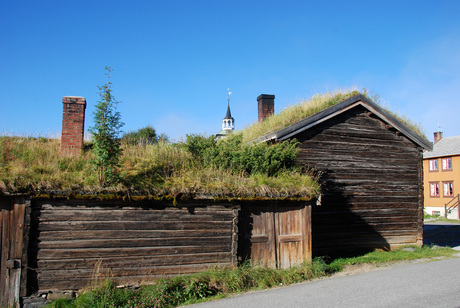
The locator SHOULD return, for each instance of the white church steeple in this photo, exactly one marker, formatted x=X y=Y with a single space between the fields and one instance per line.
x=228 y=123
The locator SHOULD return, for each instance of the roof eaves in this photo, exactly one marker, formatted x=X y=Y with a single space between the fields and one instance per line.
x=397 y=124
x=341 y=107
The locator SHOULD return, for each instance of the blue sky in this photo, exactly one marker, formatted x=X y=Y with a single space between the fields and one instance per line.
x=174 y=60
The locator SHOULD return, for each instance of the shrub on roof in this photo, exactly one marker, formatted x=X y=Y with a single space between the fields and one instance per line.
x=143 y=136
x=232 y=154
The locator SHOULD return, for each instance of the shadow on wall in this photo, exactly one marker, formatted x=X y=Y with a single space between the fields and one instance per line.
x=337 y=230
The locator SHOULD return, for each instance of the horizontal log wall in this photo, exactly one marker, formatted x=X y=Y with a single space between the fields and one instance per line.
x=133 y=242
x=371 y=183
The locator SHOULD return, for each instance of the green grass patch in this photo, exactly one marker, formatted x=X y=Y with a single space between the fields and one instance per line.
x=442 y=219
x=401 y=254
x=220 y=282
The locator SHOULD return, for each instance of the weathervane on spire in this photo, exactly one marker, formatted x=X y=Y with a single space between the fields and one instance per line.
x=228 y=98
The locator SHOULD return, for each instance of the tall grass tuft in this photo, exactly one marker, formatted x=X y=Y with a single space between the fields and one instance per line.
x=31 y=164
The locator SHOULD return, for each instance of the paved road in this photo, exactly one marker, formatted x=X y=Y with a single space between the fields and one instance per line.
x=430 y=284
x=442 y=234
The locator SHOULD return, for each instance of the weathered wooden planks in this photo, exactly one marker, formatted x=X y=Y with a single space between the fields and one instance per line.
x=371 y=184
x=275 y=234
x=12 y=260
x=133 y=242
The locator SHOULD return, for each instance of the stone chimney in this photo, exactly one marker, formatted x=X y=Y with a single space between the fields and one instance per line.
x=266 y=104
x=437 y=136
x=73 y=125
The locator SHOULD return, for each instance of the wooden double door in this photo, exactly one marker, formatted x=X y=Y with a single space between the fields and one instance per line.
x=12 y=243
x=275 y=235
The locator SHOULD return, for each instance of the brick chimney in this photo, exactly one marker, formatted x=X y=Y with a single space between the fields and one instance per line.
x=437 y=136
x=266 y=105
x=73 y=125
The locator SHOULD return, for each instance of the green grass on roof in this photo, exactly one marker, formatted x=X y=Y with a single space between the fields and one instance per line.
x=35 y=165
x=319 y=102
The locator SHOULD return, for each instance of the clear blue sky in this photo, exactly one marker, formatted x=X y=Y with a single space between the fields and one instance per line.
x=174 y=60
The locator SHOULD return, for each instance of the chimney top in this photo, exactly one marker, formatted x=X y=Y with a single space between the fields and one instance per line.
x=266 y=106
x=437 y=136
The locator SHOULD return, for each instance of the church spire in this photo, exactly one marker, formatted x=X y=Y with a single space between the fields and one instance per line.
x=228 y=123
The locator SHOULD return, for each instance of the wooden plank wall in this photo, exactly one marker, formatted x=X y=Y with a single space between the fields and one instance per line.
x=12 y=255
x=133 y=242
x=373 y=193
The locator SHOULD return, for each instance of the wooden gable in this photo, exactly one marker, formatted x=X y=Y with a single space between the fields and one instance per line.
x=370 y=167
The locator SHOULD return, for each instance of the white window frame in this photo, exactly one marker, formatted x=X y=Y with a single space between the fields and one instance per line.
x=433 y=165
x=434 y=189
x=447 y=164
x=448 y=189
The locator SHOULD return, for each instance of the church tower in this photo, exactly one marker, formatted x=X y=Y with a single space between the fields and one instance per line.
x=228 y=123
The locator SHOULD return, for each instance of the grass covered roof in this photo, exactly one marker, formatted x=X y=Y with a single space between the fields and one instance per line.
x=221 y=169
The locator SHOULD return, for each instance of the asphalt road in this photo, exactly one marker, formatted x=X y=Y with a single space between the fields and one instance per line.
x=429 y=284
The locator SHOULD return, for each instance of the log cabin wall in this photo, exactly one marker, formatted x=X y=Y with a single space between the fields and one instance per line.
x=134 y=242
x=373 y=193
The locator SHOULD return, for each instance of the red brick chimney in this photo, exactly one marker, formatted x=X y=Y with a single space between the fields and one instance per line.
x=437 y=136
x=266 y=104
x=73 y=125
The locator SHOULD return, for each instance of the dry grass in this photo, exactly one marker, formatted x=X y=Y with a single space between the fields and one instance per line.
x=295 y=113
x=35 y=165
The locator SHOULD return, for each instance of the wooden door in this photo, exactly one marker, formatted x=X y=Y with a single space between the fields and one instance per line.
x=275 y=235
x=11 y=237
x=293 y=230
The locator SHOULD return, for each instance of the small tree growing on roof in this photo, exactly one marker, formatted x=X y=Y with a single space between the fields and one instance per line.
x=106 y=130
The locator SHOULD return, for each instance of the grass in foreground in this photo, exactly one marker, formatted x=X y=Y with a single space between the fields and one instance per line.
x=218 y=283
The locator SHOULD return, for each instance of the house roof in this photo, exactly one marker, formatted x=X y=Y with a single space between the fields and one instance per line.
x=445 y=147
x=357 y=100
x=224 y=132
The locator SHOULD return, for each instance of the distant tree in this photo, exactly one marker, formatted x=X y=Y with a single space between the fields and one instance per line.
x=163 y=138
x=106 y=130
x=146 y=135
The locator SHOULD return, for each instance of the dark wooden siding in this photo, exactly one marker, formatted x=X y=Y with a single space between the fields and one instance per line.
x=133 y=242
x=372 y=184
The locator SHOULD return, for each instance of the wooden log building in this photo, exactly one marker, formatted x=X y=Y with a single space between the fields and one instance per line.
x=58 y=245
x=370 y=166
